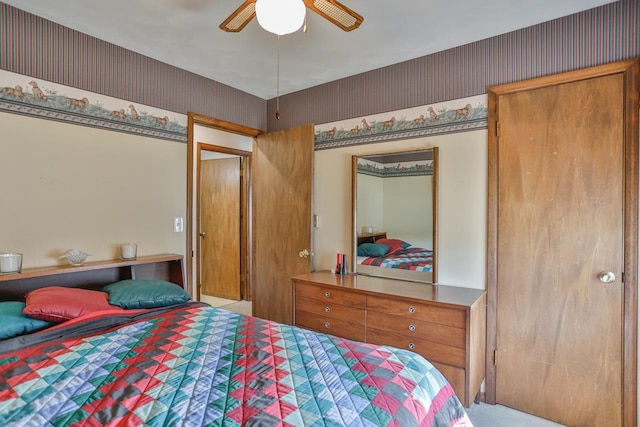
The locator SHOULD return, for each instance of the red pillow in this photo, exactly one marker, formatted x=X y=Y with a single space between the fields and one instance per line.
x=392 y=243
x=57 y=304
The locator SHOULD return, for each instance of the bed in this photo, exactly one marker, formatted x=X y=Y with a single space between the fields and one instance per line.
x=190 y=364
x=395 y=253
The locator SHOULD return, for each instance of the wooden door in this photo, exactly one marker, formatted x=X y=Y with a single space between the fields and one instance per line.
x=564 y=160
x=220 y=209
x=282 y=184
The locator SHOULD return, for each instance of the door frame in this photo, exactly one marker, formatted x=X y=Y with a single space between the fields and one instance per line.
x=193 y=248
x=245 y=211
x=630 y=71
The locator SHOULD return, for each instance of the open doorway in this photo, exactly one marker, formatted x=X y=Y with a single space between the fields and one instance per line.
x=280 y=231
x=209 y=139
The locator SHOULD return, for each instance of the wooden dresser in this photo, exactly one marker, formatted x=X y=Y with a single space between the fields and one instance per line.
x=445 y=324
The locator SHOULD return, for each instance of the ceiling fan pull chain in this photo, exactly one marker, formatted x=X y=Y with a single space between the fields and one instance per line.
x=278 y=83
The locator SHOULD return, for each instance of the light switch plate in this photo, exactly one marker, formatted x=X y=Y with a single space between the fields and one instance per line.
x=178 y=224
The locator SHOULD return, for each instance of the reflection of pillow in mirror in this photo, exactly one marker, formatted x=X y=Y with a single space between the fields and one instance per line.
x=394 y=243
x=372 y=249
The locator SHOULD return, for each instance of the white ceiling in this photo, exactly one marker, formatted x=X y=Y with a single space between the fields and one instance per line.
x=185 y=33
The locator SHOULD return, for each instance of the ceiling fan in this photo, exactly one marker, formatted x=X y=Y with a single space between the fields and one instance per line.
x=331 y=10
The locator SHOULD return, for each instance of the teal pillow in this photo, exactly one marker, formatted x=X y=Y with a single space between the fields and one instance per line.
x=373 y=249
x=132 y=294
x=15 y=323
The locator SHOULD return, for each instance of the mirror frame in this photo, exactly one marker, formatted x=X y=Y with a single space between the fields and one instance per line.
x=392 y=273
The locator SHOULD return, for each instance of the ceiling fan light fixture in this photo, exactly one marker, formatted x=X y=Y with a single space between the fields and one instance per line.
x=280 y=16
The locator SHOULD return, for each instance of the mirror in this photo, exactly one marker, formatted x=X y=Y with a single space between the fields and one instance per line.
x=394 y=214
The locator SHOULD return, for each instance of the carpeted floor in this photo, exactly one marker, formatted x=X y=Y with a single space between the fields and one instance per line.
x=483 y=415
x=243 y=307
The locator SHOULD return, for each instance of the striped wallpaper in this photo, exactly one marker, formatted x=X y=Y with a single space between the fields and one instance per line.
x=39 y=48
x=33 y=46
x=605 y=34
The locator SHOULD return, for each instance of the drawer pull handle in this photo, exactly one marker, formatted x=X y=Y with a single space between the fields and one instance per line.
x=412 y=328
x=327 y=325
x=412 y=346
x=327 y=309
x=412 y=310
x=327 y=294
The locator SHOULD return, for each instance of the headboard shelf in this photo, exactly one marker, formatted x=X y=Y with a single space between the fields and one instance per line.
x=371 y=237
x=92 y=275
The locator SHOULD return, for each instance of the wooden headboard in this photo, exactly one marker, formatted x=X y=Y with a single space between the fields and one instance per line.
x=371 y=237
x=92 y=275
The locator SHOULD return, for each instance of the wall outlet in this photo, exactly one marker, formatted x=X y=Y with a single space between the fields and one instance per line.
x=178 y=224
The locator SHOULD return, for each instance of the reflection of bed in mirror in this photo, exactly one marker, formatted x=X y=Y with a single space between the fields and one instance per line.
x=376 y=250
x=394 y=218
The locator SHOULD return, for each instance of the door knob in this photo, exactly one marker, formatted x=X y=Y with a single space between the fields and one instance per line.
x=304 y=253
x=607 y=277
x=202 y=234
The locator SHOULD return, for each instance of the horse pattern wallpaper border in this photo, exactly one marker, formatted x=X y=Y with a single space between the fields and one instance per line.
x=460 y=115
x=379 y=170
x=22 y=94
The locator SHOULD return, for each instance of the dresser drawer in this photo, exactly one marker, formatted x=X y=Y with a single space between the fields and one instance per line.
x=332 y=294
x=433 y=351
x=352 y=331
x=456 y=378
x=425 y=312
x=418 y=329
x=330 y=310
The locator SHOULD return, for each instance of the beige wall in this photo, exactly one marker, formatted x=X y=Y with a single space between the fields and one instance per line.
x=462 y=209
x=408 y=209
x=400 y=206
x=65 y=186
x=370 y=206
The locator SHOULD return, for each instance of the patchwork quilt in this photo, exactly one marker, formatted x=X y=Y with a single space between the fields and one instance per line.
x=196 y=365
x=417 y=259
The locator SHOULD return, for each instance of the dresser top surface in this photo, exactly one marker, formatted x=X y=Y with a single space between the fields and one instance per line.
x=378 y=285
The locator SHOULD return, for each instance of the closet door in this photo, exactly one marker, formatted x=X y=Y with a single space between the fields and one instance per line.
x=220 y=225
x=565 y=157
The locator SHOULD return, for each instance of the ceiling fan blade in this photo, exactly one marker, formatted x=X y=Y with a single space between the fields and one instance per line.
x=240 y=17
x=335 y=12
